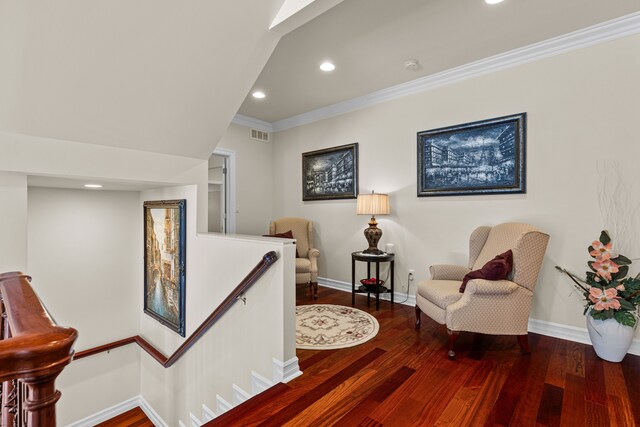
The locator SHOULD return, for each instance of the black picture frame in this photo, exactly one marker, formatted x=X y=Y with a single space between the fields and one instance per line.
x=483 y=157
x=331 y=173
x=164 y=262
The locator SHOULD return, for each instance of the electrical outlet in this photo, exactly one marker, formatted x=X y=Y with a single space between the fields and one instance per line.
x=411 y=271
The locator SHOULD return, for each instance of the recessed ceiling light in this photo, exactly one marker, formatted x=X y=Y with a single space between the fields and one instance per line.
x=93 y=186
x=493 y=1
x=327 y=66
x=258 y=94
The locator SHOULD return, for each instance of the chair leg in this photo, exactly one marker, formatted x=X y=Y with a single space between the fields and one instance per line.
x=453 y=336
x=523 y=340
x=418 y=321
x=314 y=287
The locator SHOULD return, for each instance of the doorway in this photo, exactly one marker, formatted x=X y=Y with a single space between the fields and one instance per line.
x=221 y=192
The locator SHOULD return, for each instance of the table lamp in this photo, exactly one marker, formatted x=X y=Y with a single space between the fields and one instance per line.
x=373 y=204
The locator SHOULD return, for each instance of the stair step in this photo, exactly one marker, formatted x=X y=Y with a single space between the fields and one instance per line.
x=253 y=404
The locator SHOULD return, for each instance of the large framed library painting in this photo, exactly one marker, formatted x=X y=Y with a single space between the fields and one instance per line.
x=164 y=262
x=484 y=157
x=331 y=173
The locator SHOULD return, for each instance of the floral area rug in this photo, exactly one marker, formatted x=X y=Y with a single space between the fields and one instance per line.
x=327 y=327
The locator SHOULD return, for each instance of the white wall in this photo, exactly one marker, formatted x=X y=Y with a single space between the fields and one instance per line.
x=254 y=172
x=13 y=222
x=85 y=257
x=582 y=108
x=246 y=338
x=32 y=155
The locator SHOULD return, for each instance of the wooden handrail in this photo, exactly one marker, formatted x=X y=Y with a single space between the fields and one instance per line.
x=267 y=261
x=33 y=352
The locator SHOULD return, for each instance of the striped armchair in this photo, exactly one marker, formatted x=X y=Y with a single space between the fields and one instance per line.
x=495 y=307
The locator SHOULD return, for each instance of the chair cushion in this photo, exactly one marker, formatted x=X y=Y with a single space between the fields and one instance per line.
x=303 y=265
x=440 y=292
x=496 y=269
x=285 y=235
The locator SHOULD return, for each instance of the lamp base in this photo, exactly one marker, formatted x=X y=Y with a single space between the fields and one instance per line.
x=373 y=235
x=373 y=251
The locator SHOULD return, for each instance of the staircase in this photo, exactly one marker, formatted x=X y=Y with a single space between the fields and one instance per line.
x=262 y=390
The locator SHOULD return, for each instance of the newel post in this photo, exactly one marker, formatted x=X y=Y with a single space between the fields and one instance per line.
x=40 y=401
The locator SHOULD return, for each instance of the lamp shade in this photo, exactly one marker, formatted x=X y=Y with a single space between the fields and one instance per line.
x=373 y=204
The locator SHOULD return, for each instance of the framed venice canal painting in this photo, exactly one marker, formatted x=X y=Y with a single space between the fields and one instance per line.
x=331 y=173
x=164 y=262
x=484 y=157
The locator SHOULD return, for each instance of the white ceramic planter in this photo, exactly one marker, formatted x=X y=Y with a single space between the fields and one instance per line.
x=610 y=339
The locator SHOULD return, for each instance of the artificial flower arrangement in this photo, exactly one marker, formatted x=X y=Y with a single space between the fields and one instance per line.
x=609 y=293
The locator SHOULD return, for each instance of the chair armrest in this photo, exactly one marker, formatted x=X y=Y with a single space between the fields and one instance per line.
x=313 y=253
x=490 y=287
x=448 y=272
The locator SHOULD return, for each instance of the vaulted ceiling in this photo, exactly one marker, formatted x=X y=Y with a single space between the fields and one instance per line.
x=168 y=76
x=369 y=41
x=155 y=75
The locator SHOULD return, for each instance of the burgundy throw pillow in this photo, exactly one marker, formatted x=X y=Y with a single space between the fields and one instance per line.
x=496 y=269
x=285 y=235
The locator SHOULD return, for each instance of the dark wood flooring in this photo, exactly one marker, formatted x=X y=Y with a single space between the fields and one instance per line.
x=403 y=378
x=133 y=418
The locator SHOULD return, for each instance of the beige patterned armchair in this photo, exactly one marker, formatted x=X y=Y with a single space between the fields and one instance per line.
x=307 y=263
x=496 y=307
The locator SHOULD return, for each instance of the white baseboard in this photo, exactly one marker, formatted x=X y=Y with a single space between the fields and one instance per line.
x=259 y=383
x=542 y=327
x=239 y=395
x=121 y=408
x=207 y=414
x=285 y=371
x=570 y=333
x=194 y=421
x=151 y=413
x=222 y=405
x=107 y=414
x=399 y=298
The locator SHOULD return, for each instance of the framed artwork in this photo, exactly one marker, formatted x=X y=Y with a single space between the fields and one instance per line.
x=331 y=173
x=484 y=157
x=164 y=262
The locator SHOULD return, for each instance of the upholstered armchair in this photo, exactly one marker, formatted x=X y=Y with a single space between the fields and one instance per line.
x=495 y=307
x=307 y=260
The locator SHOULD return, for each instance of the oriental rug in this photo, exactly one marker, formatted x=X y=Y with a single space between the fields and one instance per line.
x=328 y=327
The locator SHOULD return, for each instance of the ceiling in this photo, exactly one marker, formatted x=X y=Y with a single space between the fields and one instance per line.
x=77 y=183
x=369 y=41
x=161 y=76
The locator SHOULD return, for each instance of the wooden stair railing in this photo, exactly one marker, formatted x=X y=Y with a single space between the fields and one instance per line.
x=267 y=261
x=33 y=352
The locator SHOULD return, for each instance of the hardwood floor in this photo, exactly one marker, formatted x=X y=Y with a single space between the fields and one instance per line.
x=403 y=378
x=132 y=418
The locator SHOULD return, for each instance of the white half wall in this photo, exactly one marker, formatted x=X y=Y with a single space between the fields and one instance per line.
x=85 y=257
x=582 y=109
x=246 y=338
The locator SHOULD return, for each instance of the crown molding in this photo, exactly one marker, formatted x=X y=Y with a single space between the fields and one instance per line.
x=250 y=122
x=606 y=31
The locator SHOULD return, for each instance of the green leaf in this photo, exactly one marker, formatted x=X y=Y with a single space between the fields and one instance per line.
x=626 y=305
x=622 y=272
x=625 y=318
x=590 y=249
x=602 y=315
x=604 y=237
x=590 y=264
x=621 y=260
